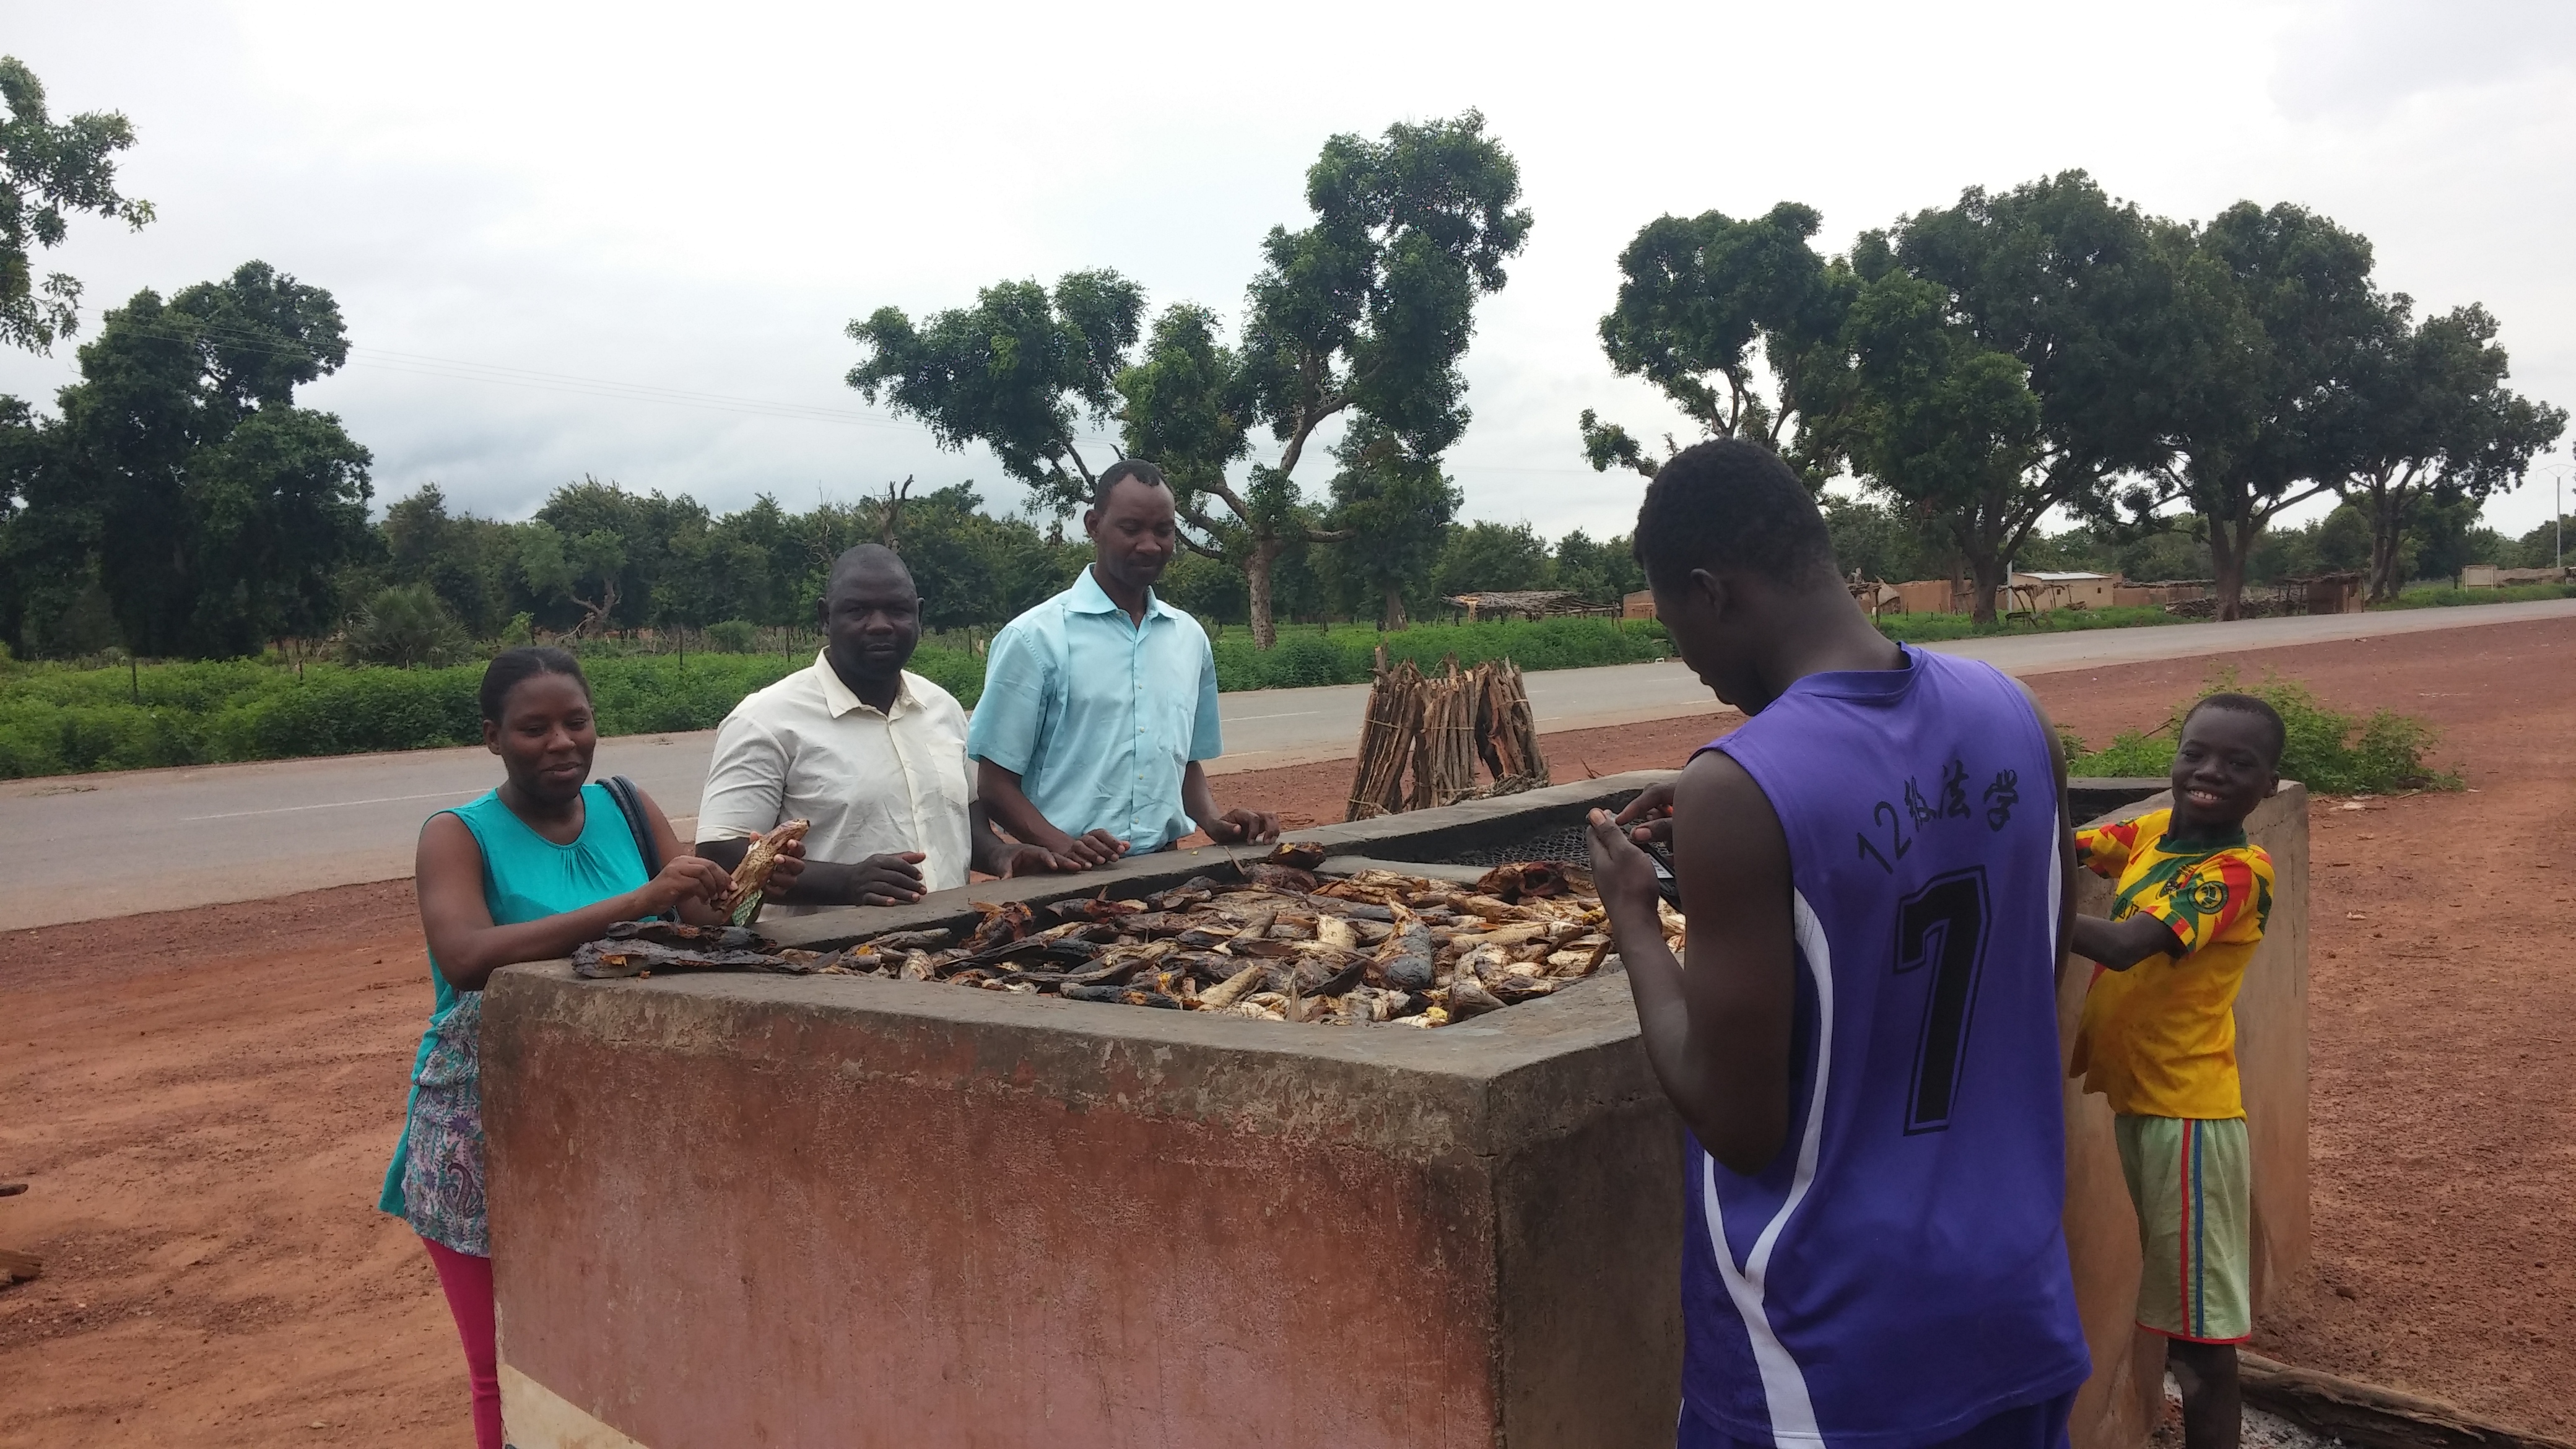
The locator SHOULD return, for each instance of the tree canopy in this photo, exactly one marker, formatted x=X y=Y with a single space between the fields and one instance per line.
x=1697 y=295
x=182 y=479
x=49 y=171
x=1363 y=314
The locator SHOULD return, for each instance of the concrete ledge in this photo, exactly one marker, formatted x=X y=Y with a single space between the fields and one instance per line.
x=834 y=1210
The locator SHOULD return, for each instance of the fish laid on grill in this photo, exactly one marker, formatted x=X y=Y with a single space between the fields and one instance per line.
x=1281 y=945
x=1277 y=944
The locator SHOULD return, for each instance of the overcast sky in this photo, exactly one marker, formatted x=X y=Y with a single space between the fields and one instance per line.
x=535 y=215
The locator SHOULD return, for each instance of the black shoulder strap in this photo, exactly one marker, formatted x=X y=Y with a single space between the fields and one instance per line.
x=630 y=803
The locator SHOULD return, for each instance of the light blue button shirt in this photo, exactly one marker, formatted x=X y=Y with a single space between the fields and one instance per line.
x=1098 y=716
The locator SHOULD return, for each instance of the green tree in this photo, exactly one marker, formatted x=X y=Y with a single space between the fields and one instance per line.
x=1602 y=573
x=2541 y=548
x=2279 y=317
x=1890 y=544
x=2005 y=349
x=2428 y=422
x=1366 y=311
x=471 y=563
x=216 y=513
x=1947 y=426
x=48 y=170
x=1020 y=371
x=1393 y=510
x=1696 y=297
x=1479 y=557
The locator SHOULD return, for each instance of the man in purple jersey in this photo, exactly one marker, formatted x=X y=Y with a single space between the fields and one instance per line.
x=1875 y=870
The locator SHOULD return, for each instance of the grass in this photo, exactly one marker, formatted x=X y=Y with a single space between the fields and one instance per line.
x=64 y=719
x=2330 y=752
x=2440 y=596
x=68 y=718
x=1939 y=628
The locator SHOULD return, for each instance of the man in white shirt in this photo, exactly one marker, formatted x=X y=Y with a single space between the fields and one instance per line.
x=871 y=753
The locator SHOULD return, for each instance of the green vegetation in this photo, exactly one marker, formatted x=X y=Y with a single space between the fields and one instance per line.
x=1345 y=655
x=2442 y=597
x=59 y=719
x=2049 y=351
x=1934 y=628
x=2329 y=752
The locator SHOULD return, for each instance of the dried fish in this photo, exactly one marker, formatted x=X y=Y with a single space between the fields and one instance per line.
x=741 y=904
x=1001 y=923
x=1379 y=946
x=901 y=941
x=1232 y=989
x=1279 y=877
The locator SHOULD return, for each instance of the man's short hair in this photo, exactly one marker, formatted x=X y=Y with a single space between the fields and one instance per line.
x=1730 y=506
x=1119 y=472
x=2248 y=704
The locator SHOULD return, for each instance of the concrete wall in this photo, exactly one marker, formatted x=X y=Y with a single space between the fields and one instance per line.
x=761 y=1210
x=2117 y=1408
x=832 y=1211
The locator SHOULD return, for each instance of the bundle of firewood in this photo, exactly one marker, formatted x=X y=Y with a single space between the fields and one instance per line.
x=1440 y=725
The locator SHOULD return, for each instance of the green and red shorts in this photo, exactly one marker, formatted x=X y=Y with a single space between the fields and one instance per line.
x=2188 y=1180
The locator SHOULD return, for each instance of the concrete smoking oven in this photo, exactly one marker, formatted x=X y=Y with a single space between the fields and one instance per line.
x=764 y=1210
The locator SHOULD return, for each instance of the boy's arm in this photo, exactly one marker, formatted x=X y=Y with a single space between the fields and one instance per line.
x=2211 y=902
x=1716 y=1034
x=2104 y=849
x=2123 y=944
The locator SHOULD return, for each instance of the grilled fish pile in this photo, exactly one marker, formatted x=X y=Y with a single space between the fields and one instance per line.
x=1278 y=945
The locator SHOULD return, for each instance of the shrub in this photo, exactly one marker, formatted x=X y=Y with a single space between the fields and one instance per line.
x=733 y=636
x=2329 y=752
x=406 y=627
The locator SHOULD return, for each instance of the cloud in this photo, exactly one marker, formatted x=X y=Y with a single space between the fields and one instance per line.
x=697 y=199
x=2366 y=59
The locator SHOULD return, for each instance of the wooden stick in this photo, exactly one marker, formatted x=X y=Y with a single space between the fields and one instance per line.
x=2368 y=1415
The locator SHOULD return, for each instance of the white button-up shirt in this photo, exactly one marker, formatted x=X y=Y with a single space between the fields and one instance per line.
x=873 y=783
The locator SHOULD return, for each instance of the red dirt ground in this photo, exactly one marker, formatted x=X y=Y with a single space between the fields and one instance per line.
x=203 y=1101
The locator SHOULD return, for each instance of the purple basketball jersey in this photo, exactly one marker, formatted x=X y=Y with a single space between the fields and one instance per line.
x=1898 y=1275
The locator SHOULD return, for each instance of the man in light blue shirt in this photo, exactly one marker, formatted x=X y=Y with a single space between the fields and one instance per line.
x=1100 y=703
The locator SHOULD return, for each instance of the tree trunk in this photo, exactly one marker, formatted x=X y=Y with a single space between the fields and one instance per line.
x=1393 y=621
x=2228 y=548
x=1256 y=579
x=1985 y=579
x=2385 y=535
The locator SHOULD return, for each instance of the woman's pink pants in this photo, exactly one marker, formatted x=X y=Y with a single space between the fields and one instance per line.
x=468 y=1281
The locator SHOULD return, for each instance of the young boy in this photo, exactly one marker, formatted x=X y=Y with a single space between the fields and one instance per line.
x=2159 y=1039
x=1864 y=1046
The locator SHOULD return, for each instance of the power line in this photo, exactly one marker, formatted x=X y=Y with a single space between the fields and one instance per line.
x=463 y=370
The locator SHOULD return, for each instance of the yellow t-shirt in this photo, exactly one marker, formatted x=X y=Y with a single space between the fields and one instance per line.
x=2159 y=1039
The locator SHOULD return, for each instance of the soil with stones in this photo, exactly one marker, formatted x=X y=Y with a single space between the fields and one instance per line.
x=203 y=1101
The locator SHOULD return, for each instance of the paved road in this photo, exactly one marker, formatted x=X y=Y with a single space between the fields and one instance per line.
x=87 y=846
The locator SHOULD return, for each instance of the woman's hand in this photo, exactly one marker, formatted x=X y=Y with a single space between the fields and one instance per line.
x=685 y=878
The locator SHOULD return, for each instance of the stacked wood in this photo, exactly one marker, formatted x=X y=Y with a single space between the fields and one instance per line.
x=1435 y=729
x=1507 y=730
x=1386 y=740
x=1444 y=753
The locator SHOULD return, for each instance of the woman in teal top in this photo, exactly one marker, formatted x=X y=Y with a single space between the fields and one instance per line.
x=526 y=873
